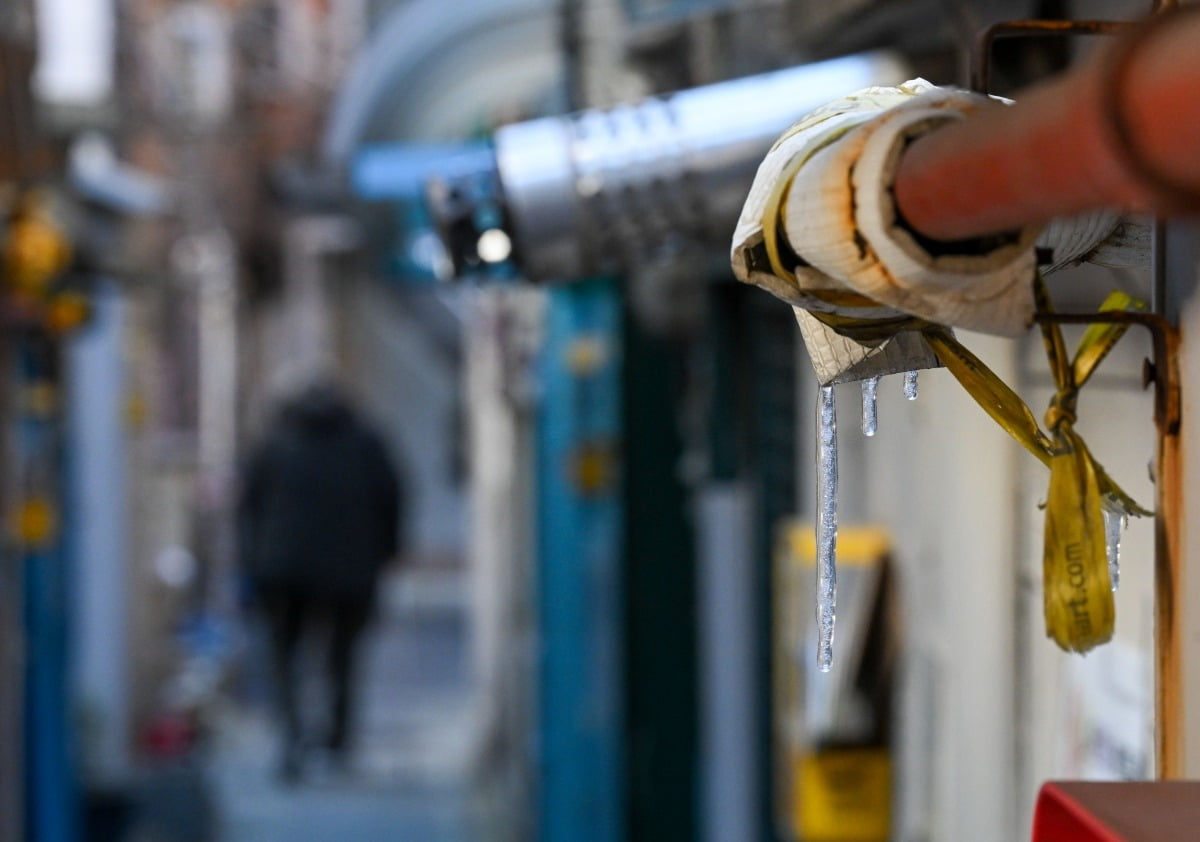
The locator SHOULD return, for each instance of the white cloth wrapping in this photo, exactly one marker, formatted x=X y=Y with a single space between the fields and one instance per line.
x=839 y=359
x=839 y=224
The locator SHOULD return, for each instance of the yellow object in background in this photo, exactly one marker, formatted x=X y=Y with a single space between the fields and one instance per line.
x=39 y=399
x=835 y=783
x=35 y=522
x=843 y=795
x=586 y=355
x=67 y=311
x=857 y=545
x=593 y=468
x=35 y=250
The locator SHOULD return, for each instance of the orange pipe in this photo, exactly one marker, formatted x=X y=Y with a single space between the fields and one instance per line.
x=1056 y=152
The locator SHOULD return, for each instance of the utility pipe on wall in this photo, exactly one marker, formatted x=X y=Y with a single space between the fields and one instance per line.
x=1121 y=131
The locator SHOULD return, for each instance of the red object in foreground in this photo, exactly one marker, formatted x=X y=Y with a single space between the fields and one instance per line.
x=1078 y=811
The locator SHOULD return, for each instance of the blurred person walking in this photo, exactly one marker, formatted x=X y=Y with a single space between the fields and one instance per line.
x=318 y=519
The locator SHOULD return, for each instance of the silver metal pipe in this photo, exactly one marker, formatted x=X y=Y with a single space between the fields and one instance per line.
x=599 y=190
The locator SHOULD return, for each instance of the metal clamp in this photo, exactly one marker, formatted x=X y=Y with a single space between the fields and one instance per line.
x=981 y=53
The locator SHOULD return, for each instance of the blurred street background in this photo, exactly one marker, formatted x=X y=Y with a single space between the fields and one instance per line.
x=596 y=624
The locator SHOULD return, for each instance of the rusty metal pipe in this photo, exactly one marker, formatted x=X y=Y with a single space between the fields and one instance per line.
x=1059 y=150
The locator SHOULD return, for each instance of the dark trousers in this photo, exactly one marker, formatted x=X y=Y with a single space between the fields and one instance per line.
x=292 y=615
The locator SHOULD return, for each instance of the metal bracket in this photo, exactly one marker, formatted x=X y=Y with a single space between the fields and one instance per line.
x=981 y=52
x=1162 y=371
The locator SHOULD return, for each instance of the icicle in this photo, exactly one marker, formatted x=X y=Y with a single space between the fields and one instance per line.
x=870 y=406
x=910 y=385
x=1114 y=525
x=827 y=473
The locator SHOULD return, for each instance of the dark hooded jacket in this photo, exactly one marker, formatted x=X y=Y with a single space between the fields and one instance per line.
x=320 y=504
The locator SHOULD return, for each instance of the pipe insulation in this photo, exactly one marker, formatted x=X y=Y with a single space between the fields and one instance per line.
x=821 y=230
x=818 y=230
x=1122 y=131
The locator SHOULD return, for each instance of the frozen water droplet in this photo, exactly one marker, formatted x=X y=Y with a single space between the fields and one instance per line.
x=1114 y=525
x=910 y=385
x=827 y=477
x=870 y=406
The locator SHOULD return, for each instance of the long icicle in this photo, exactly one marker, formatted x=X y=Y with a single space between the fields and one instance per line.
x=827 y=476
x=910 y=385
x=870 y=406
x=1114 y=525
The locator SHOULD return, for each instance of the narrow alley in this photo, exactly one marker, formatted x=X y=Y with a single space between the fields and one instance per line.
x=408 y=778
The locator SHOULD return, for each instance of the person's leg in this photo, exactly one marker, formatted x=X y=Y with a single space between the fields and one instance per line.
x=285 y=614
x=349 y=620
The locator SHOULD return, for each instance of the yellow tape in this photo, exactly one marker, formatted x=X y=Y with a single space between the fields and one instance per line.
x=869 y=330
x=1078 y=598
x=1077 y=592
x=995 y=397
x=1100 y=338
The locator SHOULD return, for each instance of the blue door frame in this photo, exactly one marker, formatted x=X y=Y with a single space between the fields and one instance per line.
x=579 y=562
x=51 y=790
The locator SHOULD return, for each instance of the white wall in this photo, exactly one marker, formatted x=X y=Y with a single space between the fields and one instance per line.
x=989 y=707
x=501 y=337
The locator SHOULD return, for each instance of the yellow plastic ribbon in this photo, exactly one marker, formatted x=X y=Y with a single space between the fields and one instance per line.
x=1077 y=592
x=1078 y=600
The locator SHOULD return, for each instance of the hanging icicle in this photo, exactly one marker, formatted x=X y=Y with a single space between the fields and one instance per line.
x=870 y=406
x=1114 y=525
x=910 y=385
x=827 y=477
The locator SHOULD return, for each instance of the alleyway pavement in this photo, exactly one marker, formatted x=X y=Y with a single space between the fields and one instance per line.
x=408 y=778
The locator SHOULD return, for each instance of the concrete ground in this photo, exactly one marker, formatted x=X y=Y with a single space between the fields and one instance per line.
x=408 y=778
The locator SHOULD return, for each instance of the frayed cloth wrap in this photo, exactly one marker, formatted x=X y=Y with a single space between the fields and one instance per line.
x=820 y=230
